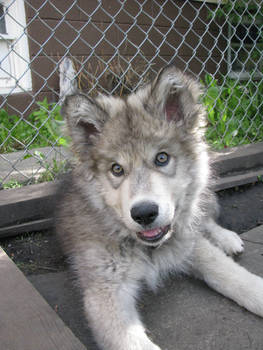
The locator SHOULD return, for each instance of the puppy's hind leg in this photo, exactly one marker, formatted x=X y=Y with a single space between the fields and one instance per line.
x=227 y=277
x=227 y=240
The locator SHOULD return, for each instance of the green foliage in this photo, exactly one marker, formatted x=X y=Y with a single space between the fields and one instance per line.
x=237 y=11
x=51 y=169
x=235 y=112
x=235 y=109
x=246 y=29
x=40 y=129
x=12 y=184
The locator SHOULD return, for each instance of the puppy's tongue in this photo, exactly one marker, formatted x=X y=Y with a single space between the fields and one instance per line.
x=151 y=233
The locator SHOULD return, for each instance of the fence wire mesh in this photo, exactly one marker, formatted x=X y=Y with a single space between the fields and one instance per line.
x=115 y=46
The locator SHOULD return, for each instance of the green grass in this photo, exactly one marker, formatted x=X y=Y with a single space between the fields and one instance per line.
x=235 y=112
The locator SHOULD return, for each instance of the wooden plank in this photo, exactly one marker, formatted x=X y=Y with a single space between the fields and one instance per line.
x=31 y=226
x=27 y=322
x=25 y=204
x=56 y=9
x=186 y=42
x=239 y=159
x=184 y=12
x=238 y=179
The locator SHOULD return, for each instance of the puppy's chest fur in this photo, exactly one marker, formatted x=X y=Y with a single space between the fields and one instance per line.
x=129 y=260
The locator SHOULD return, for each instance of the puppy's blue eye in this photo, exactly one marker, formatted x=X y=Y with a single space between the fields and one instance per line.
x=162 y=159
x=117 y=169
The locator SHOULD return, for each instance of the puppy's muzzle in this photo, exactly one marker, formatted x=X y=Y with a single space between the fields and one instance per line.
x=145 y=214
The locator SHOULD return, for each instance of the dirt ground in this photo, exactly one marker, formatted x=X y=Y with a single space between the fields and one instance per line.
x=38 y=253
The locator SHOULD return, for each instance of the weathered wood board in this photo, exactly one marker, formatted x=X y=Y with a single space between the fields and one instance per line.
x=27 y=322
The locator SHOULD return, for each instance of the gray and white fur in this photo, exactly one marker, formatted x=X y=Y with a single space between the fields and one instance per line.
x=137 y=206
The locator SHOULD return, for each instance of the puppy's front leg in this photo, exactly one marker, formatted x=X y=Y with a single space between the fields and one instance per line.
x=227 y=240
x=227 y=277
x=113 y=318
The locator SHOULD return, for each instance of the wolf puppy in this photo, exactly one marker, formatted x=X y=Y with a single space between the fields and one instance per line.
x=137 y=206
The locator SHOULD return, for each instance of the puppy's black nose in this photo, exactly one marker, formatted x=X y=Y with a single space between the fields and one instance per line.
x=144 y=213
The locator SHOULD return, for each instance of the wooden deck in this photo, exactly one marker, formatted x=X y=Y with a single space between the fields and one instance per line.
x=27 y=322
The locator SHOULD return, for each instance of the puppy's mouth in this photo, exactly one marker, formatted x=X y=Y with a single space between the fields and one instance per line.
x=153 y=235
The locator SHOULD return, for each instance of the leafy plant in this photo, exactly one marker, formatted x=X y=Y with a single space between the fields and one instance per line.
x=236 y=10
x=52 y=170
x=49 y=120
x=12 y=184
x=40 y=129
x=245 y=20
x=13 y=133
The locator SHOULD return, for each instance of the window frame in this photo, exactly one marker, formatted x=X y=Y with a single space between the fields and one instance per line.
x=19 y=79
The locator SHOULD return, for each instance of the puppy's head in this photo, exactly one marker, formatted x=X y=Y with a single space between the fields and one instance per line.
x=146 y=153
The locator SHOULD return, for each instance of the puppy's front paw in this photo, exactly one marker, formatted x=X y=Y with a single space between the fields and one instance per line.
x=231 y=243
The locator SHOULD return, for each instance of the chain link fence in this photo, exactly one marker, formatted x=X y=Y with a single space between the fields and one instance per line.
x=114 y=46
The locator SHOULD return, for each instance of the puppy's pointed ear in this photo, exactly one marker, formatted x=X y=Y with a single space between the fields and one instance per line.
x=84 y=120
x=176 y=98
